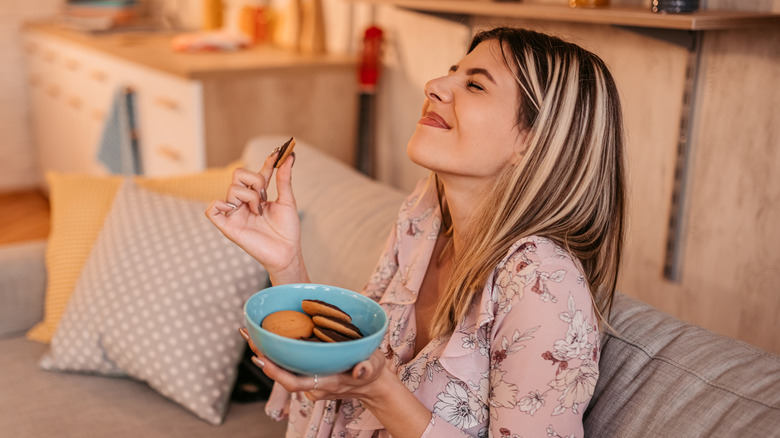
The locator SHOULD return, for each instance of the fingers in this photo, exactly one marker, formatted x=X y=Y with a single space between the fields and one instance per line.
x=369 y=369
x=267 y=169
x=244 y=334
x=283 y=176
x=288 y=380
x=247 y=188
x=250 y=188
x=217 y=212
x=284 y=181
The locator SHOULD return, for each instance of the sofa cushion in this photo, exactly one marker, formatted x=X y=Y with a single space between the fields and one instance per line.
x=160 y=299
x=79 y=204
x=663 y=377
x=37 y=403
x=23 y=276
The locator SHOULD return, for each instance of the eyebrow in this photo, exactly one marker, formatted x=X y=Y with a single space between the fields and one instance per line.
x=475 y=71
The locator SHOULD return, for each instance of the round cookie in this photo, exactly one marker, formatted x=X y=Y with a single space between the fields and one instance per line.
x=289 y=323
x=317 y=307
x=328 y=335
x=284 y=152
x=346 y=329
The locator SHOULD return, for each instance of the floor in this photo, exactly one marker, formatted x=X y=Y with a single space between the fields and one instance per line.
x=23 y=216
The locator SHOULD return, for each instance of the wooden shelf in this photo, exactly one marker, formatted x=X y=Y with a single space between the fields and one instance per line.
x=619 y=16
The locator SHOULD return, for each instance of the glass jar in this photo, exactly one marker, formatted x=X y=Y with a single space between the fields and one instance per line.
x=212 y=14
x=675 y=6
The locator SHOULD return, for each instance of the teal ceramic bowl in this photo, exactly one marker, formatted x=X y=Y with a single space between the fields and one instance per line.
x=309 y=358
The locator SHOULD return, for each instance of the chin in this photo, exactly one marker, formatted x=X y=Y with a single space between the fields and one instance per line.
x=416 y=150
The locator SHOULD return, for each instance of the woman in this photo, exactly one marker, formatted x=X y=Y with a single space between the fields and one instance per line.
x=501 y=268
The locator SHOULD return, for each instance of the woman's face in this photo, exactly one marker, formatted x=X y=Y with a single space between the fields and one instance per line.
x=469 y=125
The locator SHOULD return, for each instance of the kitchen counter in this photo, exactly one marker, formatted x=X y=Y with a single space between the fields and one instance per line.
x=153 y=49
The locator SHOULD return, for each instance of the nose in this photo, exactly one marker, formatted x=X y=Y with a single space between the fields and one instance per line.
x=438 y=90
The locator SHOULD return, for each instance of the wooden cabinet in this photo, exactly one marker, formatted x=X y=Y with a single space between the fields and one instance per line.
x=72 y=92
x=193 y=110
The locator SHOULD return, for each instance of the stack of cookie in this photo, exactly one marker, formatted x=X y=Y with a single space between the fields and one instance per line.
x=319 y=322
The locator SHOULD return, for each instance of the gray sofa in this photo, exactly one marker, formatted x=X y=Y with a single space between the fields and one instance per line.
x=660 y=377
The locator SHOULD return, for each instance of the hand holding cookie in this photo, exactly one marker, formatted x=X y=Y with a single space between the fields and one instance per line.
x=268 y=230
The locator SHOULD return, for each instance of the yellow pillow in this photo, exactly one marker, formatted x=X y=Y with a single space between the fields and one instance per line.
x=79 y=205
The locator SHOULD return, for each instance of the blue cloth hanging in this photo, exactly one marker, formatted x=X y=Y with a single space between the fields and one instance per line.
x=119 y=148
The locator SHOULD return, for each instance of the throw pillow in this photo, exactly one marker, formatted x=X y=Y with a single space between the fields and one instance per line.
x=79 y=204
x=160 y=299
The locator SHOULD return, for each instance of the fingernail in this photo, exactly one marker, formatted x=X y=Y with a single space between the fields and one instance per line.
x=258 y=362
x=292 y=155
x=361 y=373
x=275 y=151
x=234 y=208
x=243 y=333
x=263 y=195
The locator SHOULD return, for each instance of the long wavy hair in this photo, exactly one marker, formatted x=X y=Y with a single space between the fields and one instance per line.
x=569 y=185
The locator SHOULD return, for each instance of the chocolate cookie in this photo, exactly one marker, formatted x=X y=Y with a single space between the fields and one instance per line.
x=317 y=307
x=284 y=152
x=345 y=329
x=328 y=335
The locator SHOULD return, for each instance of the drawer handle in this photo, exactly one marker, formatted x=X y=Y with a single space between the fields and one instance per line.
x=169 y=152
x=72 y=64
x=98 y=75
x=168 y=104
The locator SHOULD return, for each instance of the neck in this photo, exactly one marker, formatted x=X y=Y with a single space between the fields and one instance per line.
x=462 y=199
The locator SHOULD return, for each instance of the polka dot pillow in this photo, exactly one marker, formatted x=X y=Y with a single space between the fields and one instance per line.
x=160 y=299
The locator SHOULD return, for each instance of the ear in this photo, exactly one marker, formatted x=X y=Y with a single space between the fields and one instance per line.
x=520 y=147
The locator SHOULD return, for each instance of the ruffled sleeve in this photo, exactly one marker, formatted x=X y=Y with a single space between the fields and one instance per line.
x=544 y=344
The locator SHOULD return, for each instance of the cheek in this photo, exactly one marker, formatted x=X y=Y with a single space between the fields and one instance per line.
x=493 y=141
x=492 y=130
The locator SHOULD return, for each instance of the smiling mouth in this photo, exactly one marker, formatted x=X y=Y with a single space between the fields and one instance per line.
x=433 y=119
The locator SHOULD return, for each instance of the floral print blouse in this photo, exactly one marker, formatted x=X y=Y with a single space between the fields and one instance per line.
x=523 y=363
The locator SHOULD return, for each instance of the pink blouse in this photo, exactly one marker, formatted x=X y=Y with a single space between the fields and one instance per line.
x=523 y=363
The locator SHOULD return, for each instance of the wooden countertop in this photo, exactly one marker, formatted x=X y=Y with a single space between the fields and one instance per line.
x=153 y=49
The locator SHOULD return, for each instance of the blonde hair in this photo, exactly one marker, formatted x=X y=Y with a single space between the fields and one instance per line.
x=569 y=185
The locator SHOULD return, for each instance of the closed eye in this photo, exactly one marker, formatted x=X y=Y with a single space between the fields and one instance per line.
x=474 y=86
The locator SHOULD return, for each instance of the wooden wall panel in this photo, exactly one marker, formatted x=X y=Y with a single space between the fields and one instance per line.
x=318 y=106
x=732 y=262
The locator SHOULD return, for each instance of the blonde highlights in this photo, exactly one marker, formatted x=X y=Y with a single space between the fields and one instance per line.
x=569 y=185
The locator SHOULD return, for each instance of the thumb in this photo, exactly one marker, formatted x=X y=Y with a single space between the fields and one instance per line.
x=369 y=369
x=284 y=182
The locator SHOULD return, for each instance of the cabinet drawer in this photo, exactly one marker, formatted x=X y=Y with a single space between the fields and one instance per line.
x=72 y=90
x=170 y=124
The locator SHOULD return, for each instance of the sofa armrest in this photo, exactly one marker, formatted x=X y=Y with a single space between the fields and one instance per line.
x=22 y=286
x=661 y=376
